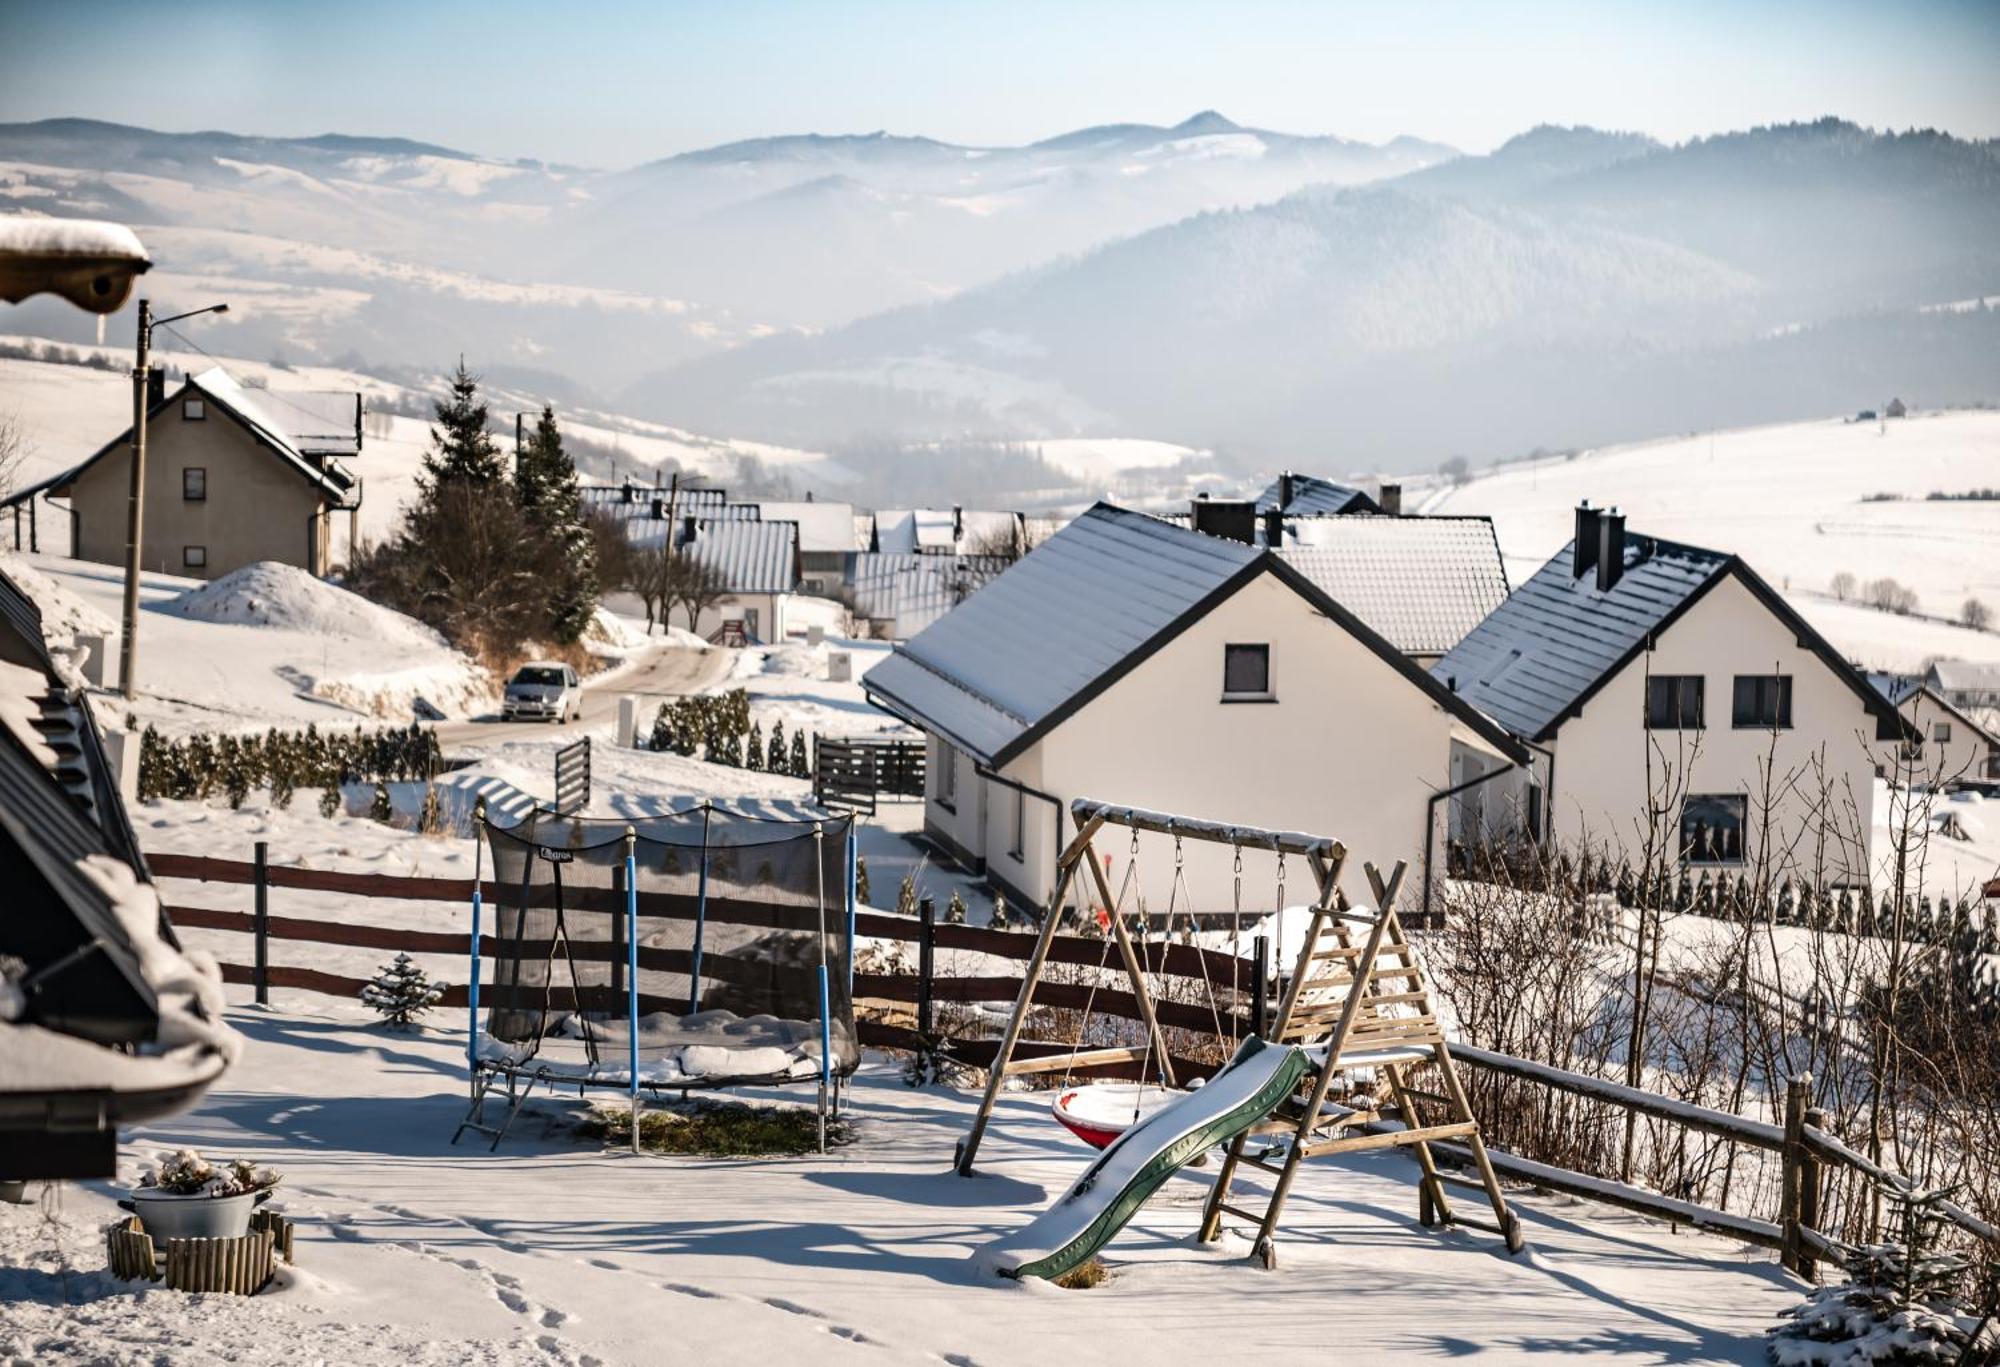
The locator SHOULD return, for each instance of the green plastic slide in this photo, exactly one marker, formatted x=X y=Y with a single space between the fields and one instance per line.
x=1110 y=1192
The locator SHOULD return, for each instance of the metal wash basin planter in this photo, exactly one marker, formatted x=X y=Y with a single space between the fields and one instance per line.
x=170 y=1215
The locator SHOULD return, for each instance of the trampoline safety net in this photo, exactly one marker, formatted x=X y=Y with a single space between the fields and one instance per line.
x=736 y=916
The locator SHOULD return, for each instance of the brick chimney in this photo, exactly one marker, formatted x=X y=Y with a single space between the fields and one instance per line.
x=1584 y=558
x=1610 y=549
x=1392 y=499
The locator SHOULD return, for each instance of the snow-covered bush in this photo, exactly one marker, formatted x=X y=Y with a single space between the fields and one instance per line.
x=1899 y=1305
x=186 y=1173
x=401 y=993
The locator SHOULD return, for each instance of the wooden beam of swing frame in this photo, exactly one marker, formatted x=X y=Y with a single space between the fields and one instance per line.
x=1215 y=832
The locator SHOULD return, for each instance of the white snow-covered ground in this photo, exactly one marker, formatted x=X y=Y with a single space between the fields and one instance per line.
x=1792 y=500
x=267 y=645
x=552 y=1251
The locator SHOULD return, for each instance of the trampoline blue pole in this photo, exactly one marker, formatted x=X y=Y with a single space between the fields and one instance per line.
x=632 y=973
x=472 y=975
x=700 y=919
x=853 y=873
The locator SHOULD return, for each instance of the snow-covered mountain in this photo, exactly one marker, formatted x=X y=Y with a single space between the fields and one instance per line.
x=1573 y=287
x=389 y=251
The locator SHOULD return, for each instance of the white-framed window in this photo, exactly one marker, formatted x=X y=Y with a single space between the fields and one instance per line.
x=1246 y=672
x=194 y=557
x=1941 y=730
x=194 y=410
x=947 y=777
x=1017 y=819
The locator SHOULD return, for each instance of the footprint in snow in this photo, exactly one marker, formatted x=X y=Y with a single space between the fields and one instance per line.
x=792 y=1308
x=698 y=1292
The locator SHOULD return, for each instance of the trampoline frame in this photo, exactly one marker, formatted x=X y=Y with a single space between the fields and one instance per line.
x=518 y=1079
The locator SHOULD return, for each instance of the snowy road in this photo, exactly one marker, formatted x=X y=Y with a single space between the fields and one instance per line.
x=670 y=671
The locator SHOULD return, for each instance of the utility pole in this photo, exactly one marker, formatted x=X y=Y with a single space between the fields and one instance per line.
x=135 y=510
x=135 y=515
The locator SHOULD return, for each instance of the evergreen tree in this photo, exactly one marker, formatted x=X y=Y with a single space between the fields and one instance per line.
x=545 y=485
x=381 y=809
x=800 y=769
x=329 y=799
x=861 y=880
x=461 y=447
x=401 y=993
x=753 y=754
x=779 y=759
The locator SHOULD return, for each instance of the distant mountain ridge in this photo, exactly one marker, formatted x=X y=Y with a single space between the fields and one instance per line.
x=671 y=259
x=1572 y=286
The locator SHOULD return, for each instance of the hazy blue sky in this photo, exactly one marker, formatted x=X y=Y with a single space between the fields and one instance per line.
x=616 y=83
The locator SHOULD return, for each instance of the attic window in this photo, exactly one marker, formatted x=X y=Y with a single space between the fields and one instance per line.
x=194 y=410
x=1246 y=673
x=194 y=484
x=1673 y=702
x=1762 y=701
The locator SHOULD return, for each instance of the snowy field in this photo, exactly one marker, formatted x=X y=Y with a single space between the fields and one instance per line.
x=552 y=1251
x=1793 y=501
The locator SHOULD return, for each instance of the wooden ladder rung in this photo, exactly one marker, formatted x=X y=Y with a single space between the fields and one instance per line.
x=1390 y=1139
x=1275 y=1169
x=1242 y=1214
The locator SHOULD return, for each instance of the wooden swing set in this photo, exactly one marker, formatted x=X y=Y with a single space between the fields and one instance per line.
x=1357 y=1003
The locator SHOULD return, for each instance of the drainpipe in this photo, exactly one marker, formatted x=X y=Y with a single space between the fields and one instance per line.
x=1017 y=786
x=1430 y=823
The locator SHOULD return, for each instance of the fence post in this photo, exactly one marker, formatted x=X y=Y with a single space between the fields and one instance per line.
x=1790 y=1182
x=926 y=953
x=1259 y=985
x=1809 y=1194
x=263 y=906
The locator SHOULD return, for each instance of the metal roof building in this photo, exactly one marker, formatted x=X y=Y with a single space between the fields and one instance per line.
x=1422 y=582
x=1290 y=493
x=748 y=557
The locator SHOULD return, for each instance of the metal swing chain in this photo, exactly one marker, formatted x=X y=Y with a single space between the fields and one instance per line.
x=1103 y=957
x=1278 y=950
x=1235 y=941
x=1185 y=897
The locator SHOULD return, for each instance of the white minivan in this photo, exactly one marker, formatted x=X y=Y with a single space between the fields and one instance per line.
x=543 y=689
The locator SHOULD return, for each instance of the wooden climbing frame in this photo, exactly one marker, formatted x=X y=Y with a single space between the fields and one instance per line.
x=1366 y=1004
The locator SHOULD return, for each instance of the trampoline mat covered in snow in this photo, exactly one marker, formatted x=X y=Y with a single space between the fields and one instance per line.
x=706 y=1048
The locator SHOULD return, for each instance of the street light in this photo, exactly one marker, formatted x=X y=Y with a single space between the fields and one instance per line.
x=135 y=519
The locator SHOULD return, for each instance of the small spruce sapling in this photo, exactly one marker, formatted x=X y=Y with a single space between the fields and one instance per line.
x=381 y=809
x=861 y=880
x=401 y=993
x=778 y=760
x=329 y=799
x=800 y=769
x=753 y=754
x=954 y=910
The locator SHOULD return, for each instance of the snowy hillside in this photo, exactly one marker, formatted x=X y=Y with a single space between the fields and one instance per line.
x=1801 y=503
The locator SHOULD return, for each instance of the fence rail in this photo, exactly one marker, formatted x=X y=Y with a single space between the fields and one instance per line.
x=1804 y=1143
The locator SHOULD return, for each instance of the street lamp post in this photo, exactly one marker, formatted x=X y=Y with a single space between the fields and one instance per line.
x=135 y=512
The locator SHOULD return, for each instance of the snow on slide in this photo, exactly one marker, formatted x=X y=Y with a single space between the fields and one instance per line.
x=1107 y=1195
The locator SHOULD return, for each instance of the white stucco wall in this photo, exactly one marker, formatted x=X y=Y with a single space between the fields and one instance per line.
x=1600 y=785
x=770 y=608
x=1350 y=748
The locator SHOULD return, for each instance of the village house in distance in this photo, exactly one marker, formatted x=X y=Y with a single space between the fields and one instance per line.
x=234 y=475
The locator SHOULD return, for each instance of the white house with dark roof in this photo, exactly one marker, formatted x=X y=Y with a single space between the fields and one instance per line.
x=1950 y=742
x=757 y=565
x=1638 y=669
x=1134 y=661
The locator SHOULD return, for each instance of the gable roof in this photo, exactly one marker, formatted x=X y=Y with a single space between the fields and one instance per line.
x=1074 y=616
x=823 y=527
x=1544 y=652
x=1311 y=494
x=1901 y=688
x=911 y=590
x=749 y=556
x=1422 y=582
x=278 y=425
x=1971 y=676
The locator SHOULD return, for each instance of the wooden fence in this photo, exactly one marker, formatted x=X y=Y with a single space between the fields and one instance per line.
x=1804 y=1142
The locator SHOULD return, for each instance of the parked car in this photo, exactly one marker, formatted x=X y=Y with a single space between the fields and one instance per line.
x=543 y=689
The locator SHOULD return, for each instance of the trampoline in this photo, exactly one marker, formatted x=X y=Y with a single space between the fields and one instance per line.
x=694 y=950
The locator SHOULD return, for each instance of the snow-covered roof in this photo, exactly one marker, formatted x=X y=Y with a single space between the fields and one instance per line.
x=29 y=235
x=903 y=530
x=1310 y=494
x=1013 y=660
x=278 y=422
x=1972 y=676
x=823 y=527
x=750 y=557
x=912 y=591
x=1539 y=656
x=1423 y=582
x=648 y=510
